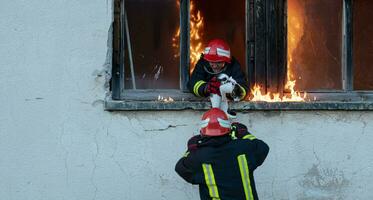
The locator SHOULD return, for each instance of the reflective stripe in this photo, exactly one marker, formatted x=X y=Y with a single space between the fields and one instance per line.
x=249 y=136
x=222 y=52
x=204 y=123
x=233 y=135
x=244 y=170
x=224 y=123
x=219 y=52
x=186 y=154
x=244 y=92
x=210 y=181
x=207 y=50
x=196 y=87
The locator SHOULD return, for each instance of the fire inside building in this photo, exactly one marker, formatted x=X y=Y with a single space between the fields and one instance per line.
x=290 y=50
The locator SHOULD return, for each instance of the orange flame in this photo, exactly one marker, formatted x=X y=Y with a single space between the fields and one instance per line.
x=295 y=32
x=196 y=27
x=258 y=96
x=165 y=99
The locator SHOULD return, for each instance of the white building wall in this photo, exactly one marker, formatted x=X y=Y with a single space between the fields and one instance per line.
x=57 y=142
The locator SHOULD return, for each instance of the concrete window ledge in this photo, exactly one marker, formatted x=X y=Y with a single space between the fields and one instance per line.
x=111 y=105
x=152 y=100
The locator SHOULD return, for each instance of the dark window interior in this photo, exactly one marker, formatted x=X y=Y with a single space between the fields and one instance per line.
x=152 y=25
x=363 y=44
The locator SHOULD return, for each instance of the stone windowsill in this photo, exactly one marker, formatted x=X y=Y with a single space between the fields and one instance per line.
x=148 y=100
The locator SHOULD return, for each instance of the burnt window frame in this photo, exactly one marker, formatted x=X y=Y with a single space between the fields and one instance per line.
x=266 y=55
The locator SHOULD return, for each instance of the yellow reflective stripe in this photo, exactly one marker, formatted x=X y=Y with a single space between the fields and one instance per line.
x=186 y=154
x=233 y=135
x=196 y=87
x=248 y=136
x=244 y=92
x=244 y=170
x=210 y=181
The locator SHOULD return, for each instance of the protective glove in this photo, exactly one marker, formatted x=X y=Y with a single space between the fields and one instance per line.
x=239 y=130
x=213 y=87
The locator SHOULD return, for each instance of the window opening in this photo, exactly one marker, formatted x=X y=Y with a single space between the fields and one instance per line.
x=151 y=24
x=314 y=44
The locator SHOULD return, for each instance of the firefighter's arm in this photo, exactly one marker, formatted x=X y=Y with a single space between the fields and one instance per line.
x=259 y=148
x=186 y=168
x=197 y=83
x=241 y=88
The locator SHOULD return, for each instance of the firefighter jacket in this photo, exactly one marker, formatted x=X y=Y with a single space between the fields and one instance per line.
x=223 y=166
x=203 y=73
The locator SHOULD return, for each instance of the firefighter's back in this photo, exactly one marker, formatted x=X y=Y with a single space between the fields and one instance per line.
x=228 y=169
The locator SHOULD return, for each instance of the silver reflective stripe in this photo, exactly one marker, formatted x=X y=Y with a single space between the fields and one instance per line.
x=245 y=176
x=204 y=123
x=222 y=52
x=207 y=50
x=224 y=123
x=210 y=181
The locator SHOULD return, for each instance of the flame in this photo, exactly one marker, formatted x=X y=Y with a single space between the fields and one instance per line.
x=258 y=96
x=295 y=32
x=165 y=99
x=196 y=28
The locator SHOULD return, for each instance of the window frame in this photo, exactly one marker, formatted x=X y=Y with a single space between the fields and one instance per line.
x=265 y=61
x=118 y=77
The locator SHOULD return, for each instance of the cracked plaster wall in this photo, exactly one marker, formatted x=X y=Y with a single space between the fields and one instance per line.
x=57 y=142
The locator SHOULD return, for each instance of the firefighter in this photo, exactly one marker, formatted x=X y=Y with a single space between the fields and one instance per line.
x=216 y=60
x=222 y=161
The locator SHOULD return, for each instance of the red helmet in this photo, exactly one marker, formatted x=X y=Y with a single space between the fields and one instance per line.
x=215 y=123
x=217 y=51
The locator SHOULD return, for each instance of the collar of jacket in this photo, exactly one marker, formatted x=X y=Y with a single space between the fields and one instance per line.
x=214 y=141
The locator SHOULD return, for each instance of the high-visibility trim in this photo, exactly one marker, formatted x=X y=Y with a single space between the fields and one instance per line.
x=186 y=154
x=224 y=123
x=207 y=50
x=210 y=181
x=219 y=52
x=244 y=170
x=249 y=136
x=196 y=87
x=233 y=135
x=222 y=52
x=244 y=92
x=204 y=123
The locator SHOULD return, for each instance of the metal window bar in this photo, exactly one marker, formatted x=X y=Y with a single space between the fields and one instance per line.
x=184 y=43
x=250 y=42
x=347 y=69
x=118 y=76
x=115 y=73
x=129 y=47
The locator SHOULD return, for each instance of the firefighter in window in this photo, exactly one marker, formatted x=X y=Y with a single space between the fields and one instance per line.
x=214 y=67
x=222 y=159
